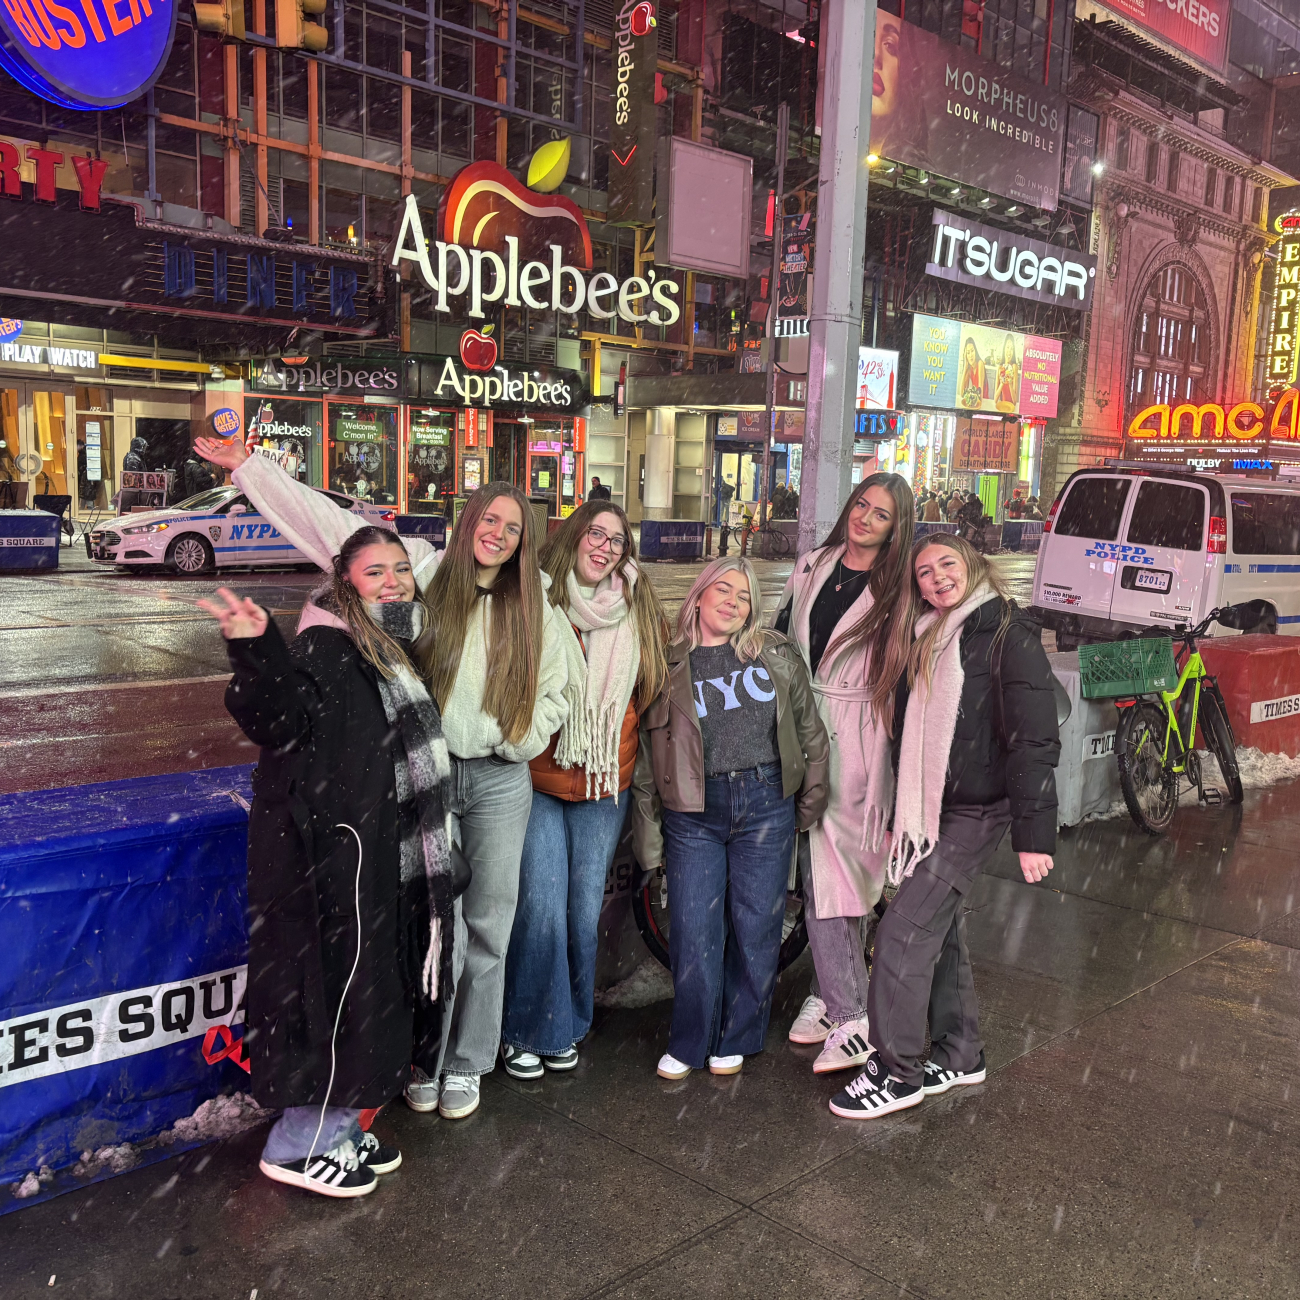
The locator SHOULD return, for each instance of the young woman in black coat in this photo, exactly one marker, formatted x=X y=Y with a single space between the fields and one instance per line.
x=976 y=746
x=350 y=879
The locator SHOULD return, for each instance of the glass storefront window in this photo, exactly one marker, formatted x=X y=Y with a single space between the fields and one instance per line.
x=290 y=433
x=554 y=465
x=363 y=451
x=431 y=462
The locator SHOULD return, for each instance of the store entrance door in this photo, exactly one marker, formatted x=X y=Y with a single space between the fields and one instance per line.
x=509 y=451
x=33 y=441
x=544 y=480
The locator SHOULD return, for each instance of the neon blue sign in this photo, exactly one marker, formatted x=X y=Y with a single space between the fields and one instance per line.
x=98 y=54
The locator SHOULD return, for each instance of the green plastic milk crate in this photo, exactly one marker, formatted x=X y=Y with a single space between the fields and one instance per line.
x=1119 y=668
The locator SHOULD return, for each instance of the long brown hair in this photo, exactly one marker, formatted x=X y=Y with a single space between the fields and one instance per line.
x=920 y=662
x=881 y=634
x=517 y=617
x=379 y=649
x=559 y=555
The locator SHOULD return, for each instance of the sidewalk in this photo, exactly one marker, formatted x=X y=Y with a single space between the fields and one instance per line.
x=1139 y=1135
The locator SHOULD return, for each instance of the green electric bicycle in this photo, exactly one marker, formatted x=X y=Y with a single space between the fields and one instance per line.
x=1161 y=703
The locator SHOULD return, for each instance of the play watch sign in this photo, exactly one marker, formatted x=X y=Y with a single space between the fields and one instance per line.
x=504 y=243
x=94 y=54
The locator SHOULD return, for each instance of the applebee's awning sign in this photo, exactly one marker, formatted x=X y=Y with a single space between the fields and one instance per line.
x=503 y=243
x=92 y=55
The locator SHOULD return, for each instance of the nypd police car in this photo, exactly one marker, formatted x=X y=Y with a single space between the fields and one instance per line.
x=219 y=528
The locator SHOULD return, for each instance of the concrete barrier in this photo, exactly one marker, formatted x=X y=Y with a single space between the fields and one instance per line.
x=29 y=539
x=1087 y=778
x=1260 y=680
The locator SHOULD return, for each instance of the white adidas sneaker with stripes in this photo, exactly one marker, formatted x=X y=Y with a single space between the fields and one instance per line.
x=846 y=1047
x=336 y=1173
x=812 y=1024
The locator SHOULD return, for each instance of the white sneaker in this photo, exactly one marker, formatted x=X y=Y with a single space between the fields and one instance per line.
x=846 y=1047
x=421 y=1092
x=671 y=1068
x=725 y=1064
x=811 y=1024
x=459 y=1096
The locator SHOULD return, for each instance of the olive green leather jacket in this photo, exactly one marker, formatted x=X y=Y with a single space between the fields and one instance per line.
x=670 y=761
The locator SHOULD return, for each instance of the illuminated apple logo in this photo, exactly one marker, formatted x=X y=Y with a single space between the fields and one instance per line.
x=643 y=19
x=477 y=350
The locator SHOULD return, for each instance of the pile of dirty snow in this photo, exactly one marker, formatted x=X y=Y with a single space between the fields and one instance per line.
x=650 y=982
x=220 y=1117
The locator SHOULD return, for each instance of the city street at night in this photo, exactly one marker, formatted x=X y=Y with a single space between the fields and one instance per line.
x=650 y=649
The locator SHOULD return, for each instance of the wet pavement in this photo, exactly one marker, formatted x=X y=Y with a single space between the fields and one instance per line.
x=106 y=674
x=1139 y=1134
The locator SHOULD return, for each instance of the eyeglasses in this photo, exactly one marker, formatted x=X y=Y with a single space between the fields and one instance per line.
x=599 y=537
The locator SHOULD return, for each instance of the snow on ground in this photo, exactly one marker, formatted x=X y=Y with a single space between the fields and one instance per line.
x=650 y=982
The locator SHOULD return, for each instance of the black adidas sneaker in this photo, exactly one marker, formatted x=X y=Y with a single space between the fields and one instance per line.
x=875 y=1092
x=374 y=1155
x=938 y=1080
x=334 y=1173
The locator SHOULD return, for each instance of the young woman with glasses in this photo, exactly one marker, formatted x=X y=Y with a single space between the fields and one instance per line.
x=580 y=800
x=495 y=664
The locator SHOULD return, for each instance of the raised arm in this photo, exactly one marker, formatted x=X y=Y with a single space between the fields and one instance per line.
x=309 y=519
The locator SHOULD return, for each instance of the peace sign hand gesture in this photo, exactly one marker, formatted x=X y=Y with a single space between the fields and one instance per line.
x=238 y=618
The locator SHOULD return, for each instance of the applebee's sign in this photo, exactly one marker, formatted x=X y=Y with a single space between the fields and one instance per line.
x=448 y=381
x=503 y=243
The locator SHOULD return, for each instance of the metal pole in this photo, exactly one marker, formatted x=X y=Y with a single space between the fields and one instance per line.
x=778 y=212
x=835 y=323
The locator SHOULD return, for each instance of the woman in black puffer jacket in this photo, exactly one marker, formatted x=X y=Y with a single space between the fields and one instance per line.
x=975 y=747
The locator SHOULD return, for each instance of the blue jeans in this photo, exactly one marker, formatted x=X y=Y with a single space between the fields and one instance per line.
x=294 y=1135
x=551 y=965
x=727 y=871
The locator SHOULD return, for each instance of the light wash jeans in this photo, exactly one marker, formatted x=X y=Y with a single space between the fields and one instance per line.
x=839 y=963
x=489 y=806
x=293 y=1136
x=551 y=969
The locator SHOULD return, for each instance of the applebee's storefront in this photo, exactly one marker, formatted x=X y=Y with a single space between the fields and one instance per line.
x=421 y=432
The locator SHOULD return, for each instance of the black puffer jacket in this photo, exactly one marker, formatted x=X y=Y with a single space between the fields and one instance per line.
x=980 y=770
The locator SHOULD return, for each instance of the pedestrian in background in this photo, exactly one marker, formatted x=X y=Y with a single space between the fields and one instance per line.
x=733 y=758
x=976 y=744
x=599 y=492
x=842 y=607
x=615 y=647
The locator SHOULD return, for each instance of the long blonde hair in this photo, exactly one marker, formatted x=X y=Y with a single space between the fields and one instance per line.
x=377 y=648
x=517 y=617
x=752 y=638
x=559 y=555
x=920 y=662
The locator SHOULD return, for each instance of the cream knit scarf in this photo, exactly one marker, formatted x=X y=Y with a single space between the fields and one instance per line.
x=928 y=729
x=600 y=686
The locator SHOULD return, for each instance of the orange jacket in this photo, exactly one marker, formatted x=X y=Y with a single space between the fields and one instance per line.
x=570 y=783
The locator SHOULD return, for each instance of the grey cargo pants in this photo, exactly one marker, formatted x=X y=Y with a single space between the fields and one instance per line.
x=921 y=969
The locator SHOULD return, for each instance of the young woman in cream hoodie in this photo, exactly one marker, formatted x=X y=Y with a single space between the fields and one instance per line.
x=497 y=667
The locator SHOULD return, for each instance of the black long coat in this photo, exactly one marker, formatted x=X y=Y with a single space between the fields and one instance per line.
x=326 y=764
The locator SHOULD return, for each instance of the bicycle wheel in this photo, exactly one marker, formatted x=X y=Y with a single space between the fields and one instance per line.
x=1150 y=789
x=1218 y=736
x=778 y=544
x=654 y=920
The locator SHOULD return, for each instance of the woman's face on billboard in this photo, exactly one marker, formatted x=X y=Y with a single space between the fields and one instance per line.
x=884 y=82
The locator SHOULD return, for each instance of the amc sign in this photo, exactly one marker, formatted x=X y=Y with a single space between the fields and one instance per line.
x=1212 y=423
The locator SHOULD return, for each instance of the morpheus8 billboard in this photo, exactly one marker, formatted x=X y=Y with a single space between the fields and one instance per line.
x=963 y=367
x=98 y=54
x=942 y=108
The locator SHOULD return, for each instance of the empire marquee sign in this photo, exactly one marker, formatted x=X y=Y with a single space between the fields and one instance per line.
x=504 y=243
x=1281 y=346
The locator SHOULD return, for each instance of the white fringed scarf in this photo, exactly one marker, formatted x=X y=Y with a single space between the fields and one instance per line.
x=928 y=729
x=601 y=683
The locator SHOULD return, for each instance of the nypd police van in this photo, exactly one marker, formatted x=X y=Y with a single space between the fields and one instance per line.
x=1129 y=546
x=217 y=529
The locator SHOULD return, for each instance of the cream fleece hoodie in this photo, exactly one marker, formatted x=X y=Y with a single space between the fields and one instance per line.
x=318 y=528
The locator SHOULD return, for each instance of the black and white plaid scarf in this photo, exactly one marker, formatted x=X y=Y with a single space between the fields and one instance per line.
x=422 y=767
